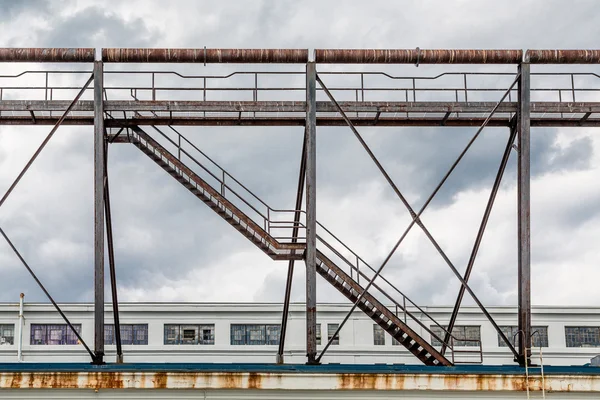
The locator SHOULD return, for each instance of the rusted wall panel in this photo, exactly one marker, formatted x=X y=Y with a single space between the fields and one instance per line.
x=563 y=56
x=416 y=56
x=297 y=381
x=205 y=55
x=71 y=55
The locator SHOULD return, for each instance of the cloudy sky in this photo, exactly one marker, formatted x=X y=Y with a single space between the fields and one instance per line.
x=171 y=247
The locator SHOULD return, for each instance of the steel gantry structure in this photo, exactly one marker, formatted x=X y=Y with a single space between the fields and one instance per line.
x=121 y=111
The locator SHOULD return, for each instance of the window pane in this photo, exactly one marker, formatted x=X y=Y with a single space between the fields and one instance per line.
x=378 y=335
x=54 y=334
x=171 y=334
x=255 y=334
x=238 y=334
x=189 y=334
x=7 y=334
x=207 y=334
x=273 y=334
x=318 y=334
x=583 y=336
x=463 y=335
x=109 y=334
x=331 y=328
x=140 y=334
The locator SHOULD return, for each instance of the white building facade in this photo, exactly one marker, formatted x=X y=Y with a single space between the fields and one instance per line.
x=249 y=333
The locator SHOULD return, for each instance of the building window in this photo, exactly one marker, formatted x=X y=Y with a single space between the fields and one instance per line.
x=318 y=334
x=378 y=335
x=582 y=336
x=464 y=336
x=539 y=338
x=7 y=334
x=331 y=328
x=130 y=334
x=189 y=334
x=252 y=334
x=54 y=334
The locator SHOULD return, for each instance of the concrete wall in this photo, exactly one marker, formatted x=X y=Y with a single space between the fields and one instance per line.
x=356 y=338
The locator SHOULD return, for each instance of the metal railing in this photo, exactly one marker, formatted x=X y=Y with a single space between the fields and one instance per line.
x=361 y=85
x=223 y=182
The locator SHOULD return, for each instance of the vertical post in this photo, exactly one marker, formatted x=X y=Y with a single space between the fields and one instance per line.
x=524 y=229
x=311 y=210
x=99 y=161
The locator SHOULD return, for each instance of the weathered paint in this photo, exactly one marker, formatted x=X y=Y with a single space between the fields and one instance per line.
x=47 y=55
x=206 y=56
x=417 y=56
x=563 y=56
x=295 y=381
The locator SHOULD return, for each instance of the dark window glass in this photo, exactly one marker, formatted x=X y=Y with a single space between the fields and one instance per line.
x=318 y=334
x=54 y=334
x=538 y=339
x=464 y=336
x=331 y=328
x=7 y=334
x=254 y=334
x=582 y=336
x=378 y=335
x=189 y=334
x=130 y=334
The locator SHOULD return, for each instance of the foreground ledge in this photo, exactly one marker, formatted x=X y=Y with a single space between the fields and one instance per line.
x=297 y=377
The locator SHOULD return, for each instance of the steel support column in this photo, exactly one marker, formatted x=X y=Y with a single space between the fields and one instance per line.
x=99 y=160
x=290 y=276
x=524 y=229
x=311 y=210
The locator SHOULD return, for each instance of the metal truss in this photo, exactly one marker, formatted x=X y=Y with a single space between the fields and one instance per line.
x=125 y=101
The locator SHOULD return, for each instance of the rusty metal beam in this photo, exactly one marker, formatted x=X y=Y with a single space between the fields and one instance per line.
x=205 y=56
x=310 y=256
x=374 y=107
x=524 y=216
x=99 y=168
x=417 y=56
x=536 y=122
x=563 y=56
x=55 y=55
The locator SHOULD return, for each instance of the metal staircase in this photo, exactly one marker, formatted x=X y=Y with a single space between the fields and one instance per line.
x=286 y=248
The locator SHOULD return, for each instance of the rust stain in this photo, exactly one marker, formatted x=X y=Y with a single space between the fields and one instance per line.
x=254 y=381
x=230 y=380
x=160 y=380
x=15 y=382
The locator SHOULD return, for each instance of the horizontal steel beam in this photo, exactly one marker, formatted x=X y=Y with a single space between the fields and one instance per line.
x=298 y=106
x=206 y=56
x=56 y=55
x=296 y=121
x=417 y=56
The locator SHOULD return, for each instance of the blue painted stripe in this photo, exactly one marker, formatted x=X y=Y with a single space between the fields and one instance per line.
x=300 y=368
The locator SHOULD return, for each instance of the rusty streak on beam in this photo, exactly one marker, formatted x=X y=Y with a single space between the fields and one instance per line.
x=55 y=55
x=563 y=56
x=295 y=121
x=289 y=381
x=206 y=56
x=417 y=56
x=297 y=106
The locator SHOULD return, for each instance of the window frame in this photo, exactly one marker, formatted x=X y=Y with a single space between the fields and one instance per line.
x=460 y=334
x=68 y=337
x=378 y=331
x=3 y=336
x=129 y=334
x=330 y=332
x=580 y=336
x=173 y=334
x=254 y=334
x=510 y=333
